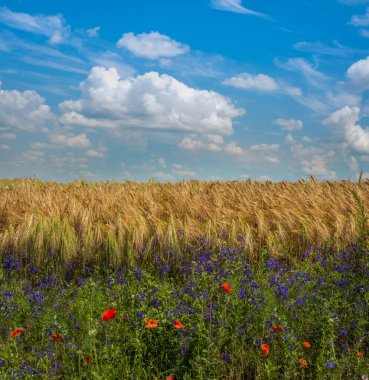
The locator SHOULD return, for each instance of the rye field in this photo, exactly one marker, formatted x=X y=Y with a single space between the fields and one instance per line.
x=188 y=280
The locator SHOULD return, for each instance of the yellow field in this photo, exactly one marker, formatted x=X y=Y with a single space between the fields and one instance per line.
x=112 y=221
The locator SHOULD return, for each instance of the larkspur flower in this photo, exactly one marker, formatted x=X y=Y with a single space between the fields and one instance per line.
x=108 y=314
x=329 y=364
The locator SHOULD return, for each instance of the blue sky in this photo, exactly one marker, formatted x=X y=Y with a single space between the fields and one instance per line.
x=172 y=90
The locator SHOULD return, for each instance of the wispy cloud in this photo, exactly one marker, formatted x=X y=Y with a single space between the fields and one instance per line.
x=336 y=49
x=234 y=6
x=300 y=65
x=54 y=27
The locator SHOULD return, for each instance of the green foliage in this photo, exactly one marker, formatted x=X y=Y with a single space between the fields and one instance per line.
x=322 y=299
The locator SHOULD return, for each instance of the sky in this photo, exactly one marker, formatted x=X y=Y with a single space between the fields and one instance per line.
x=188 y=89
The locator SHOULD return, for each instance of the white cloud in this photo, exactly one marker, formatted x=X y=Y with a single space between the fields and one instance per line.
x=260 y=82
x=289 y=139
x=289 y=124
x=320 y=48
x=112 y=59
x=5 y=147
x=215 y=139
x=232 y=148
x=345 y=123
x=358 y=72
x=95 y=153
x=265 y=147
x=300 y=65
x=79 y=141
x=314 y=161
x=152 y=45
x=93 y=32
x=150 y=101
x=361 y=20
x=341 y=99
x=234 y=6
x=23 y=110
x=185 y=173
x=162 y=162
x=264 y=178
x=34 y=156
x=8 y=136
x=54 y=27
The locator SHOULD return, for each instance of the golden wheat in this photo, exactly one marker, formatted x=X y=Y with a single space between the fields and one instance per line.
x=127 y=222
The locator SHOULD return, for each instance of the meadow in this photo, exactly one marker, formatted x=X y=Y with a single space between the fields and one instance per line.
x=193 y=280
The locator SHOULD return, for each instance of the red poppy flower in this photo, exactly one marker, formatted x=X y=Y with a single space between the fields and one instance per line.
x=109 y=314
x=56 y=337
x=87 y=359
x=171 y=377
x=227 y=287
x=17 y=332
x=306 y=345
x=151 y=323
x=178 y=325
x=277 y=328
x=265 y=348
x=361 y=354
x=303 y=362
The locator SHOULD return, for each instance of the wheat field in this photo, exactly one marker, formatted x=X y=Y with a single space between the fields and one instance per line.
x=127 y=222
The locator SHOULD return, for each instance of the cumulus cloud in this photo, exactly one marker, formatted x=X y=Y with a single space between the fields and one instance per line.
x=314 y=161
x=150 y=101
x=289 y=124
x=23 y=110
x=265 y=147
x=191 y=143
x=152 y=45
x=79 y=141
x=358 y=72
x=234 y=6
x=345 y=123
x=260 y=82
x=54 y=27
